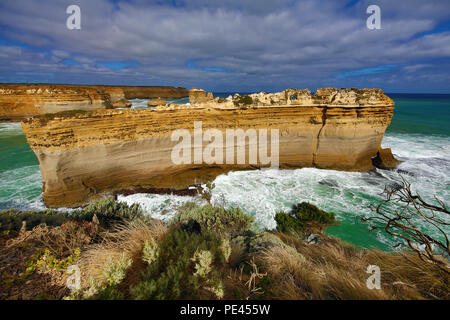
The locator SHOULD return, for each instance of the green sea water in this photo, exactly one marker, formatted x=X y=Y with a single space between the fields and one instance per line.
x=427 y=114
x=419 y=135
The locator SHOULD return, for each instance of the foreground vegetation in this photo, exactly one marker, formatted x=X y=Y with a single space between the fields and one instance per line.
x=204 y=252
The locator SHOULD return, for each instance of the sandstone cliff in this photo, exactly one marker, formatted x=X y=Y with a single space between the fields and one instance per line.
x=19 y=101
x=22 y=101
x=145 y=92
x=86 y=154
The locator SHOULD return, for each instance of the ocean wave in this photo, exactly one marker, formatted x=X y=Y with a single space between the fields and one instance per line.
x=10 y=128
x=158 y=206
x=138 y=103
x=21 y=189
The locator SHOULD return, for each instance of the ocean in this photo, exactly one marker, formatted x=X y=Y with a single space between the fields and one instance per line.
x=419 y=135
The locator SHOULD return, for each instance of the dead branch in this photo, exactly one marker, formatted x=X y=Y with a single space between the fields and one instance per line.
x=398 y=215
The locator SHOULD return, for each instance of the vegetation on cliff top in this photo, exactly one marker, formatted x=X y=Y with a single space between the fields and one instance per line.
x=243 y=101
x=108 y=212
x=204 y=252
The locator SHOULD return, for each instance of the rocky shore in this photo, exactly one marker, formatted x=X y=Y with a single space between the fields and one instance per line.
x=83 y=155
x=20 y=101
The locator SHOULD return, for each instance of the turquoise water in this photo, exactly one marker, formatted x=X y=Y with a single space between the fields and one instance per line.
x=427 y=114
x=419 y=135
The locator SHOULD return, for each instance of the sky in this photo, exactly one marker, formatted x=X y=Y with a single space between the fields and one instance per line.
x=229 y=46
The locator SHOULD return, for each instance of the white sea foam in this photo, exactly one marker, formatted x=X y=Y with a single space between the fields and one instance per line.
x=158 y=206
x=142 y=103
x=10 y=128
x=21 y=188
x=138 y=103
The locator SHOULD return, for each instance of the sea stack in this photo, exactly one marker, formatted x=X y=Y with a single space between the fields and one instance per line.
x=83 y=155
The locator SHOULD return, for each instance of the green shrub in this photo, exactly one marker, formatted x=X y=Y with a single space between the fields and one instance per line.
x=287 y=223
x=115 y=271
x=251 y=243
x=188 y=266
x=217 y=219
x=150 y=252
x=108 y=211
x=12 y=219
x=301 y=216
x=243 y=100
x=308 y=212
x=45 y=260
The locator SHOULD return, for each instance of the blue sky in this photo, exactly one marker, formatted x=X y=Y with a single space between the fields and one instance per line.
x=234 y=45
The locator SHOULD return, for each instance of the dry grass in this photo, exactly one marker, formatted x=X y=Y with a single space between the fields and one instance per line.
x=61 y=241
x=17 y=252
x=335 y=270
x=330 y=269
x=129 y=239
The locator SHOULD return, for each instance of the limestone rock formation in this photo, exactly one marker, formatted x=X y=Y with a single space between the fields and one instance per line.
x=19 y=101
x=116 y=96
x=198 y=96
x=385 y=159
x=153 y=102
x=22 y=101
x=84 y=155
x=146 y=92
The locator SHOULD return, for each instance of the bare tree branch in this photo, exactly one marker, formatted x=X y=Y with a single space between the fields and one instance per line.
x=399 y=214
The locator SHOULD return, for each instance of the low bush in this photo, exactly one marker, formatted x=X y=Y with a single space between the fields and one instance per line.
x=206 y=252
x=188 y=266
x=243 y=101
x=108 y=211
x=287 y=223
x=308 y=212
x=303 y=217
x=223 y=221
x=12 y=219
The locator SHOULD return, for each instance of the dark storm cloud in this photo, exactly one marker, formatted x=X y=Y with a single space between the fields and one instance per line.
x=229 y=45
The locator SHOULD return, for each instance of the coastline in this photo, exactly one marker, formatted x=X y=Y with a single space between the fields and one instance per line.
x=24 y=192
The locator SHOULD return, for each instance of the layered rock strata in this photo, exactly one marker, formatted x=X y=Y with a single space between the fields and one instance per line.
x=19 y=101
x=84 y=155
x=146 y=92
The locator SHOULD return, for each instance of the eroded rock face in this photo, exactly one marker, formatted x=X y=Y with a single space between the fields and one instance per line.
x=385 y=159
x=86 y=154
x=296 y=97
x=116 y=96
x=198 y=96
x=22 y=101
x=19 y=101
x=146 y=92
x=156 y=102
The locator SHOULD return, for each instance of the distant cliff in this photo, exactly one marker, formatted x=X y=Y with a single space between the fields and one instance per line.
x=86 y=154
x=19 y=101
x=154 y=92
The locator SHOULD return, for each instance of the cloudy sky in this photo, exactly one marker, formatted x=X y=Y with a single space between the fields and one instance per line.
x=234 y=45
